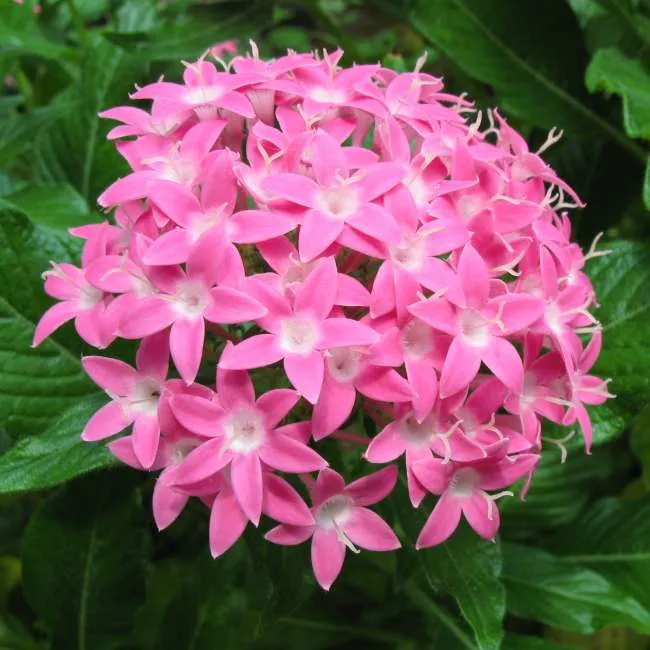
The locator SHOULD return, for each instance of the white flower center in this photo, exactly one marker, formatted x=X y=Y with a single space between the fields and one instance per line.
x=468 y=205
x=418 y=188
x=463 y=482
x=528 y=396
x=417 y=339
x=470 y=423
x=344 y=364
x=334 y=512
x=553 y=317
x=298 y=335
x=164 y=126
x=202 y=222
x=418 y=434
x=89 y=296
x=409 y=253
x=190 y=299
x=339 y=202
x=145 y=396
x=203 y=94
x=180 y=449
x=328 y=95
x=296 y=273
x=245 y=430
x=474 y=328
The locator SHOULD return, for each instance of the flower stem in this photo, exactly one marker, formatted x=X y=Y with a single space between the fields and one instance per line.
x=78 y=22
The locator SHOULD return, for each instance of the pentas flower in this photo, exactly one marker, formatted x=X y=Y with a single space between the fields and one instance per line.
x=337 y=201
x=184 y=301
x=135 y=397
x=480 y=325
x=243 y=434
x=299 y=332
x=410 y=266
x=342 y=521
x=463 y=491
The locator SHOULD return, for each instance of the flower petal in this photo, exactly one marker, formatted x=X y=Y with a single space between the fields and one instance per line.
x=227 y=523
x=368 y=530
x=289 y=455
x=442 y=522
x=306 y=374
x=327 y=555
x=246 y=477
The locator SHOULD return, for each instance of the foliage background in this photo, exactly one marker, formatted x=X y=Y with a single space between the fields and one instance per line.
x=81 y=567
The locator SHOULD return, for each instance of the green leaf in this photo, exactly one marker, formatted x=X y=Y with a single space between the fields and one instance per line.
x=506 y=44
x=189 y=36
x=13 y=636
x=544 y=588
x=54 y=206
x=560 y=491
x=20 y=34
x=522 y=642
x=612 y=72
x=220 y=599
x=83 y=569
x=74 y=149
x=56 y=455
x=622 y=283
x=640 y=441
x=646 y=185
x=18 y=132
x=36 y=385
x=467 y=568
x=613 y=538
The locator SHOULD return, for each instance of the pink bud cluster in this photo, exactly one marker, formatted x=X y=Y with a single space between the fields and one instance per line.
x=364 y=230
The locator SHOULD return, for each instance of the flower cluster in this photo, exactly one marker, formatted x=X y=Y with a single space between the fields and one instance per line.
x=398 y=256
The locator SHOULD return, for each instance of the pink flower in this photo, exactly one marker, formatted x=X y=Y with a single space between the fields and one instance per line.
x=342 y=521
x=186 y=299
x=81 y=301
x=135 y=397
x=462 y=489
x=480 y=325
x=243 y=435
x=336 y=201
x=406 y=258
x=299 y=332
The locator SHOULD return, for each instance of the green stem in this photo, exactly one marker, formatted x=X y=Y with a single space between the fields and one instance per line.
x=25 y=87
x=78 y=22
x=388 y=638
x=428 y=605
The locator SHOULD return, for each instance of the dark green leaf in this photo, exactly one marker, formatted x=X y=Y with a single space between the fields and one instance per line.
x=640 y=441
x=622 y=283
x=613 y=538
x=212 y=599
x=18 y=132
x=612 y=72
x=192 y=35
x=20 y=34
x=467 y=568
x=521 y=642
x=54 y=206
x=542 y=587
x=74 y=149
x=13 y=636
x=83 y=569
x=36 y=385
x=506 y=44
x=646 y=185
x=560 y=491
x=56 y=455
